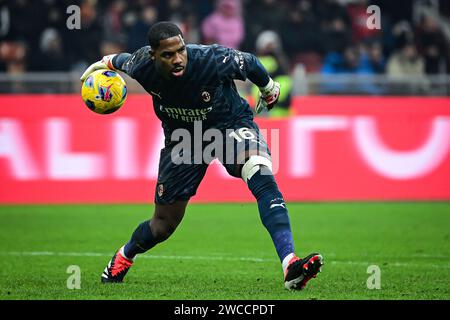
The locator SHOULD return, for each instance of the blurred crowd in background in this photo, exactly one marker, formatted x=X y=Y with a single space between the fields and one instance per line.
x=325 y=36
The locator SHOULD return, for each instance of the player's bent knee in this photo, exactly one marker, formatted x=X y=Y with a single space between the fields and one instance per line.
x=253 y=165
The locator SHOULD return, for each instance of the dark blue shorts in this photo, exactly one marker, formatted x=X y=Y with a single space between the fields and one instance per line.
x=179 y=179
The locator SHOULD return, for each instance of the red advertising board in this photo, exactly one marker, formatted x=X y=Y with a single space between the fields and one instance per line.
x=54 y=150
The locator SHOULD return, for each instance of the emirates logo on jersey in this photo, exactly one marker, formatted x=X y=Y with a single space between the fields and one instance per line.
x=206 y=96
x=185 y=114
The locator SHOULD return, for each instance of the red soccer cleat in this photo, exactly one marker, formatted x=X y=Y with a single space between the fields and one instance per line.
x=300 y=271
x=117 y=268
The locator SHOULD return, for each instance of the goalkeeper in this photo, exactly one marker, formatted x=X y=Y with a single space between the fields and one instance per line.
x=192 y=87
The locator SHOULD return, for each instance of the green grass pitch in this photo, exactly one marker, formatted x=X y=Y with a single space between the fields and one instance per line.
x=222 y=251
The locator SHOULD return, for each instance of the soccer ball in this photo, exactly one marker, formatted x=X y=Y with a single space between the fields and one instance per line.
x=104 y=91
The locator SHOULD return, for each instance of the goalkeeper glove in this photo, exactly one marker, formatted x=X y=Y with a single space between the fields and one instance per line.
x=268 y=96
x=105 y=63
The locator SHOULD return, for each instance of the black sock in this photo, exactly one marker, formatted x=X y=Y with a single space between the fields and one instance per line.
x=273 y=211
x=141 y=241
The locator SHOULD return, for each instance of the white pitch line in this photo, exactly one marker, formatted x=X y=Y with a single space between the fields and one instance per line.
x=216 y=258
x=97 y=254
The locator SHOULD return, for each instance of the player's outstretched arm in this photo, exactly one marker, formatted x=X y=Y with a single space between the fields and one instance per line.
x=105 y=63
x=125 y=62
x=110 y=61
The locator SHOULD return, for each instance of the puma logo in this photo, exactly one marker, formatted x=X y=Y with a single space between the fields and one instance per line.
x=283 y=205
x=156 y=94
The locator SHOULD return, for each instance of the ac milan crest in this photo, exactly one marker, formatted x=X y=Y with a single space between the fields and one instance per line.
x=206 y=96
x=160 y=190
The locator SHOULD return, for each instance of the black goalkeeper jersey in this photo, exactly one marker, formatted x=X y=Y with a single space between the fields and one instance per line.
x=205 y=92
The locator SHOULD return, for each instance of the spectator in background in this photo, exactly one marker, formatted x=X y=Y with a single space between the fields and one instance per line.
x=375 y=56
x=257 y=19
x=335 y=31
x=13 y=54
x=270 y=53
x=51 y=56
x=26 y=22
x=402 y=34
x=113 y=24
x=83 y=45
x=183 y=15
x=336 y=35
x=350 y=62
x=14 y=57
x=112 y=46
x=432 y=45
x=406 y=63
x=138 y=30
x=328 y=10
x=225 y=25
x=347 y=62
x=190 y=28
x=55 y=13
x=300 y=30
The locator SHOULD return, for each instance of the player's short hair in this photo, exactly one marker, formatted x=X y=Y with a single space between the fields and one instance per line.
x=162 y=31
